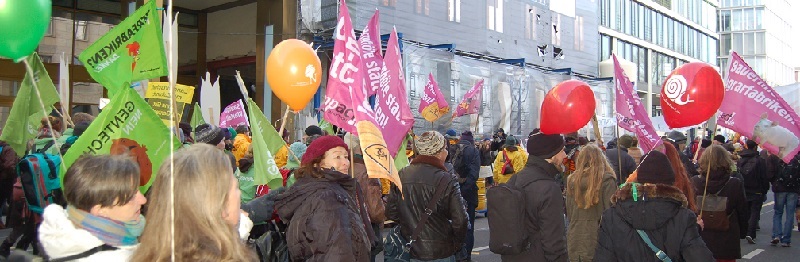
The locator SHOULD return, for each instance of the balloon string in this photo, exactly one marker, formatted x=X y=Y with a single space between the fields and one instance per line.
x=44 y=110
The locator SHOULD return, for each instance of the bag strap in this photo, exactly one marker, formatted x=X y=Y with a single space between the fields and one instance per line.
x=505 y=157
x=659 y=254
x=85 y=254
x=47 y=146
x=440 y=187
x=723 y=186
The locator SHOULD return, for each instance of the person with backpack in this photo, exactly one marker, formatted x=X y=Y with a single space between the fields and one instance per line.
x=526 y=221
x=509 y=161
x=756 y=184
x=467 y=164
x=725 y=210
x=649 y=220
x=443 y=232
x=785 y=185
x=589 y=191
x=102 y=221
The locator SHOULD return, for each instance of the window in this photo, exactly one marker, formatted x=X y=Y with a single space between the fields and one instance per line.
x=556 y=40
x=531 y=21
x=80 y=30
x=724 y=44
x=579 y=33
x=423 y=6
x=670 y=31
x=494 y=15
x=760 y=43
x=749 y=41
x=454 y=11
x=605 y=12
x=736 y=20
x=758 y=16
x=389 y=2
x=648 y=25
x=50 y=28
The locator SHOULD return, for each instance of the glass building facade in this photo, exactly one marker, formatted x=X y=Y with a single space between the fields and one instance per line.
x=658 y=36
x=760 y=31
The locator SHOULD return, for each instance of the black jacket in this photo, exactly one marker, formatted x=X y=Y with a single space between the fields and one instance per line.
x=444 y=232
x=774 y=166
x=469 y=170
x=753 y=169
x=544 y=212
x=628 y=165
x=661 y=213
x=725 y=244
x=325 y=221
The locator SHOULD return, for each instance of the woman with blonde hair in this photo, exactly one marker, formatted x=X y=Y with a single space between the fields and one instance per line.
x=589 y=191
x=206 y=208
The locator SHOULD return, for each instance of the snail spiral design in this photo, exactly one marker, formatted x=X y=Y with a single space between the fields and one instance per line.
x=675 y=87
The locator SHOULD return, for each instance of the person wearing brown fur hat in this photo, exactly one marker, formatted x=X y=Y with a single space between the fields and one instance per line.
x=650 y=209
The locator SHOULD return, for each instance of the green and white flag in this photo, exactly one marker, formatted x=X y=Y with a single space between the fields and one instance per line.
x=131 y=51
x=197 y=117
x=401 y=159
x=326 y=126
x=127 y=125
x=27 y=112
x=266 y=142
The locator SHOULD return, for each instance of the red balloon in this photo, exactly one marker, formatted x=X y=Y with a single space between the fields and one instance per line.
x=567 y=107
x=691 y=95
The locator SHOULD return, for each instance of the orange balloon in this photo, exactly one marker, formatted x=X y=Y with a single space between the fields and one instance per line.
x=294 y=72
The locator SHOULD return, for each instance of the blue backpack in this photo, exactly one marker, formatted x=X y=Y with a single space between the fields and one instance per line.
x=38 y=174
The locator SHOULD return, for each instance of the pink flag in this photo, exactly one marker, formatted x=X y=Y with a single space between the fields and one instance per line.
x=471 y=102
x=370 y=42
x=346 y=94
x=753 y=109
x=630 y=111
x=392 y=113
x=432 y=104
x=233 y=115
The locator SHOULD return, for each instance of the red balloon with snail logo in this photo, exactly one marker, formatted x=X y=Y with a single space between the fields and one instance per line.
x=691 y=95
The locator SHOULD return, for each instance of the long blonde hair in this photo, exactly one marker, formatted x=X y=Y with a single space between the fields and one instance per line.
x=592 y=165
x=202 y=175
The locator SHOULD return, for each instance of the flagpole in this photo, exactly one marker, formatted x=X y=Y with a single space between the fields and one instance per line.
x=596 y=127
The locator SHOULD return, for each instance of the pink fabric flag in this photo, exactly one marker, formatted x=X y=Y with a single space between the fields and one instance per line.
x=630 y=111
x=233 y=115
x=432 y=104
x=753 y=109
x=370 y=42
x=346 y=94
x=392 y=113
x=471 y=102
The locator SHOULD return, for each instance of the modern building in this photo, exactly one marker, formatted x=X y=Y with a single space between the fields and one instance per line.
x=761 y=32
x=657 y=36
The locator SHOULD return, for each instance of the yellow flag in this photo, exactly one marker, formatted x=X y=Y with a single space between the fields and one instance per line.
x=377 y=158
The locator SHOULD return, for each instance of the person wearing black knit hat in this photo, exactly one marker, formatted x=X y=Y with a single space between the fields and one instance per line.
x=466 y=161
x=651 y=209
x=719 y=140
x=545 y=228
x=209 y=134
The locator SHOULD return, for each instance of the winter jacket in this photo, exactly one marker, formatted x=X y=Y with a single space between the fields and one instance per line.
x=8 y=162
x=774 y=167
x=662 y=214
x=544 y=213
x=636 y=153
x=583 y=223
x=282 y=157
x=444 y=232
x=240 y=144
x=41 y=143
x=468 y=170
x=754 y=171
x=60 y=238
x=628 y=165
x=372 y=191
x=246 y=176
x=325 y=221
x=518 y=159
x=486 y=157
x=725 y=244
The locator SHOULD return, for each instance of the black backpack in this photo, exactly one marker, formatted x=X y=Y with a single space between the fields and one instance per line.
x=789 y=176
x=507 y=205
x=458 y=157
x=753 y=181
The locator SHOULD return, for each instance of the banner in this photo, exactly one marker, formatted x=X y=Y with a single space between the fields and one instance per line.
x=630 y=111
x=158 y=97
x=233 y=115
x=752 y=108
x=131 y=51
x=63 y=84
x=471 y=102
x=432 y=104
x=127 y=126
x=197 y=117
x=392 y=113
x=26 y=113
x=345 y=95
x=370 y=42
x=210 y=100
x=377 y=159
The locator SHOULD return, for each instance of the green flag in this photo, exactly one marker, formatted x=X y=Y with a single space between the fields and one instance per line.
x=266 y=142
x=27 y=112
x=127 y=125
x=197 y=116
x=326 y=126
x=131 y=51
x=401 y=159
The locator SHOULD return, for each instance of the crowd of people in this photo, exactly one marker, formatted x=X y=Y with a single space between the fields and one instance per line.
x=584 y=201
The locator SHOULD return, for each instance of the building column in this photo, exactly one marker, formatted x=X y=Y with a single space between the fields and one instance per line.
x=282 y=15
x=649 y=100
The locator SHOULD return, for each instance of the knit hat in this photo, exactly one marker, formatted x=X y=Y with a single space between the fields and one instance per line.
x=677 y=137
x=298 y=149
x=231 y=133
x=543 y=145
x=314 y=130
x=186 y=128
x=320 y=146
x=625 y=141
x=511 y=141
x=451 y=133
x=467 y=135
x=429 y=143
x=208 y=134
x=720 y=139
x=655 y=169
x=705 y=143
x=80 y=128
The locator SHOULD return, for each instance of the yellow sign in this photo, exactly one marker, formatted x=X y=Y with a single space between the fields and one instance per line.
x=159 y=98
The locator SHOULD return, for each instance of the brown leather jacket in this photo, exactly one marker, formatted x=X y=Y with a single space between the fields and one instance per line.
x=372 y=191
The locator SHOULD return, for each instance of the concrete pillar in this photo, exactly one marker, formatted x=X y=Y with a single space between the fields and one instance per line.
x=282 y=14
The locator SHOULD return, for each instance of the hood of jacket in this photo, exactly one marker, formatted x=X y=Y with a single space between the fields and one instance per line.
x=748 y=153
x=657 y=204
x=245 y=164
x=548 y=169
x=60 y=238
x=305 y=188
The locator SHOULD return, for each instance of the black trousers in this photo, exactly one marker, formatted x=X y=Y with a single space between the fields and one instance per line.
x=754 y=202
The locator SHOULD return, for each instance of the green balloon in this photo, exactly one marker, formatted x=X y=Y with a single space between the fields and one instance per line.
x=22 y=26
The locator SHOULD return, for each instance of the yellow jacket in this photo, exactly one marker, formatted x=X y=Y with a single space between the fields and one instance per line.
x=518 y=159
x=240 y=144
x=282 y=156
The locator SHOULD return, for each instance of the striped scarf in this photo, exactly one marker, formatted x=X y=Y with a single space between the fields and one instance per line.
x=111 y=232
